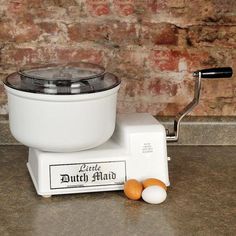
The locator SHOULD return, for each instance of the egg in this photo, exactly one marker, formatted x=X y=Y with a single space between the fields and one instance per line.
x=153 y=181
x=154 y=194
x=133 y=189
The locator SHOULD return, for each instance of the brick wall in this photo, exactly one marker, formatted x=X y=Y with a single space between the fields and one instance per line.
x=153 y=46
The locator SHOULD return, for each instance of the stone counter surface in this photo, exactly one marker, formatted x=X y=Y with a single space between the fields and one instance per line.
x=193 y=130
x=201 y=200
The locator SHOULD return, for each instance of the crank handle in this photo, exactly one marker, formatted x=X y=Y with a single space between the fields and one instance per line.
x=213 y=73
x=223 y=72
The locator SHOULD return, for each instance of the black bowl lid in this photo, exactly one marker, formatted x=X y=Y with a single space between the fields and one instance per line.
x=64 y=79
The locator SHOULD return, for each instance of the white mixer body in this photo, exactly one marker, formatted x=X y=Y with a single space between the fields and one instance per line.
x=137 y=150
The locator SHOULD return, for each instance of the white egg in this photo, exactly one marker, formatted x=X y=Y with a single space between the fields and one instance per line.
x=154 y=194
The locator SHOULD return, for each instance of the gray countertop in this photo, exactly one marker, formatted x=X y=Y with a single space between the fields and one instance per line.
x=201 y=200
x=193 y=130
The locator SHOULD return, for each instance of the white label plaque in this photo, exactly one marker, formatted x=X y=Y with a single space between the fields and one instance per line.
x=79 y=175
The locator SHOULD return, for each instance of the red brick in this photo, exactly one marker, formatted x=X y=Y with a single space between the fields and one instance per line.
x=16 y=7
x=159 y=34
x=112 y=33
x=23 y=56
x=26 y=32
x=52 y=12
x=166 y=60
x=87 y=32
x=98 y=8
x=74 y=12
x=132 y=88
x=140 y=106
x=170 y=109
x=49 y=27
x=151 y=6
x=81 y=54
x=124 y=8
x=215 y=107
x=229 y=108
x=151 y=45
x=19 y=32
x=130 y=63
x=171 y=60
x=184 y=13
x=221 y=36
x=152 y=95
x=212 y=89
x=175 y=3
x=159 y=86
x=153 y=89
x=219 y=57
x=158 y=6
x=6 y=33
x=60 y=3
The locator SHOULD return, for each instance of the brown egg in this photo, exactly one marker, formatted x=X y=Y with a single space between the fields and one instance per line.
x=133 y=189
x=152 y=181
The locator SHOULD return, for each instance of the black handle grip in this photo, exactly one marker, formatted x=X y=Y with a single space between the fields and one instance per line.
x=221 y=72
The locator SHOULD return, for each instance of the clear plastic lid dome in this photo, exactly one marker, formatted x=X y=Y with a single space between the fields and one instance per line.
x=63 y=79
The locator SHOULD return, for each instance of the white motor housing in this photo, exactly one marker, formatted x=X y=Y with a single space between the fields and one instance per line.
x=137 y=150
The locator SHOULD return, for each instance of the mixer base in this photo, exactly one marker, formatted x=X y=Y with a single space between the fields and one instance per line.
x=137 y=150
